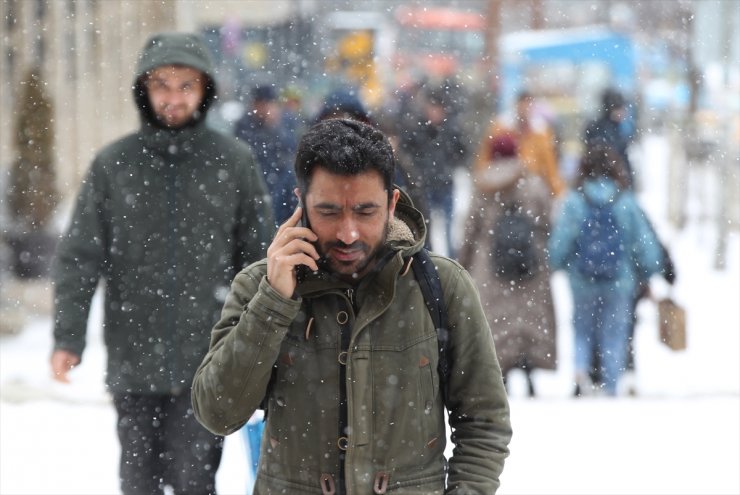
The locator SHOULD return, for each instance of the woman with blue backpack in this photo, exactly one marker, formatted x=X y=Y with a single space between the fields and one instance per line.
x=603 y=240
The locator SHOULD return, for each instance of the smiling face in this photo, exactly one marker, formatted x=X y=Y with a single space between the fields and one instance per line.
x=175 y=93
x=350 y=216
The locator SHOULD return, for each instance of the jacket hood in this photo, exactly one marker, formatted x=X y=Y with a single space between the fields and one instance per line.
x=186 y=49
x=407 y=231
x=499 y=175
x=601 y=191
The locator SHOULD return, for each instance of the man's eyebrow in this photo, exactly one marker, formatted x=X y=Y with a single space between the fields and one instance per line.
x=327 y=206
x=360 y=206
x=365 y=206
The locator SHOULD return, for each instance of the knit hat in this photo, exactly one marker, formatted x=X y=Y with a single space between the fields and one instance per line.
x=343 y=102
x=503 y=146
x=611 y=99
x=264 y=93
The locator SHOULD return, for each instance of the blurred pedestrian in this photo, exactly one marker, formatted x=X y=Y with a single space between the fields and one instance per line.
x=611 y=128
x=166 y=217
x=511 y=273
x=335 y=335
x=534 y=138
x=603 y=240
x=263 y=128
x=431 y=135
x=343 y=103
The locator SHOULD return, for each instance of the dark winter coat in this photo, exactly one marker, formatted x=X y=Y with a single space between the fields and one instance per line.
x=395 y=411
x=435 y=150
x=521 y=312
x=274 y=149
x=166 y=218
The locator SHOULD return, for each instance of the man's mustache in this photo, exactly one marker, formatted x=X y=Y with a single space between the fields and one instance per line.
x=357 y=245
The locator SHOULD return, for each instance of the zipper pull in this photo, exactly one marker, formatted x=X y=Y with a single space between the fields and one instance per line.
x=351 y=296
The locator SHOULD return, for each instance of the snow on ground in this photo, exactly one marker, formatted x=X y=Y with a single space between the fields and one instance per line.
x=679 y=435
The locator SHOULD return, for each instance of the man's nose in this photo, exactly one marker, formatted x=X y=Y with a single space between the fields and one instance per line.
x=175 y=97
x=347 y=232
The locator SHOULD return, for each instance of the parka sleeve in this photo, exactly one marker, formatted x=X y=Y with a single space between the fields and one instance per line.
x=477 y=402
x=647 y=251
x=79 y=262
x=233 y=378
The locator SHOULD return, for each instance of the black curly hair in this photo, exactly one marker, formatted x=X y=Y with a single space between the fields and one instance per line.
x=344 y=147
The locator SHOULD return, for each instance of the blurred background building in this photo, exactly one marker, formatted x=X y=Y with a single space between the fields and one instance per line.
x=676 y=61
x=676 y=54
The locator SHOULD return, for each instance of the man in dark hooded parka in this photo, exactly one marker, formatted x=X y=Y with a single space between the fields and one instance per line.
x=166 y=217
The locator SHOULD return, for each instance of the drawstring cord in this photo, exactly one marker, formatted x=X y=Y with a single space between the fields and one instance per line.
x=308 y=327
x=408 y=265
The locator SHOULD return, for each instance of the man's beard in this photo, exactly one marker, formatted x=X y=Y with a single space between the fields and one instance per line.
x=191 y=120
x=352 y=271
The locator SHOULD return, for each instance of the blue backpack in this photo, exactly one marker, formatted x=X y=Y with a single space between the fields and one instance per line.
x=600 y=243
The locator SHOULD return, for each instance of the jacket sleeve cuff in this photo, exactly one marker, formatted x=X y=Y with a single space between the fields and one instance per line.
x=270 y=304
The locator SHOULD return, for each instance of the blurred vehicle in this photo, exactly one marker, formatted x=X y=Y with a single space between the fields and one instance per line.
x=438 y=42
x=374 y=52
x=568 y=69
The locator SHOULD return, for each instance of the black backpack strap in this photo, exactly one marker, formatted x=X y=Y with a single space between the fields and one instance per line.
x=431 y=287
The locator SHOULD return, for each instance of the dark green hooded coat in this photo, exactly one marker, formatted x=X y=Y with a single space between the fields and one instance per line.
x=395 y=411
x=166 y=217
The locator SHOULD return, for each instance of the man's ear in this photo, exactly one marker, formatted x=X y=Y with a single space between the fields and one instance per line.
x=392 y=204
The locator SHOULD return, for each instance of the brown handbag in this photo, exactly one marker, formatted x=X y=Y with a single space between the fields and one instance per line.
x=672 y=324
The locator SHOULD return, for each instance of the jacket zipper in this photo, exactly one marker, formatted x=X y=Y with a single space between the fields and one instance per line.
x=172 y=205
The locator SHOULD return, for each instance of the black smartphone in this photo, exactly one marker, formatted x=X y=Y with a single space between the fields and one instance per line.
x=303 y=222
x=302 y=270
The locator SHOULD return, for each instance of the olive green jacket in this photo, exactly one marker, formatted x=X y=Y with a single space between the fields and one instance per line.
x=395 y=414
x=165 y=218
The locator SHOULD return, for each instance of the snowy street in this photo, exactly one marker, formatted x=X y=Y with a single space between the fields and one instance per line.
x=679 y=435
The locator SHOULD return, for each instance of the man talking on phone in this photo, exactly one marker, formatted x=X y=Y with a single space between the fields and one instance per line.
x=345 y=357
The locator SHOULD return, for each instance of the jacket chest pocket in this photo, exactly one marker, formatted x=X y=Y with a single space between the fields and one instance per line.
x=406 y=405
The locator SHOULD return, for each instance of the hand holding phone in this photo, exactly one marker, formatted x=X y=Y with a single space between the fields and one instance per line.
x=291 y=252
